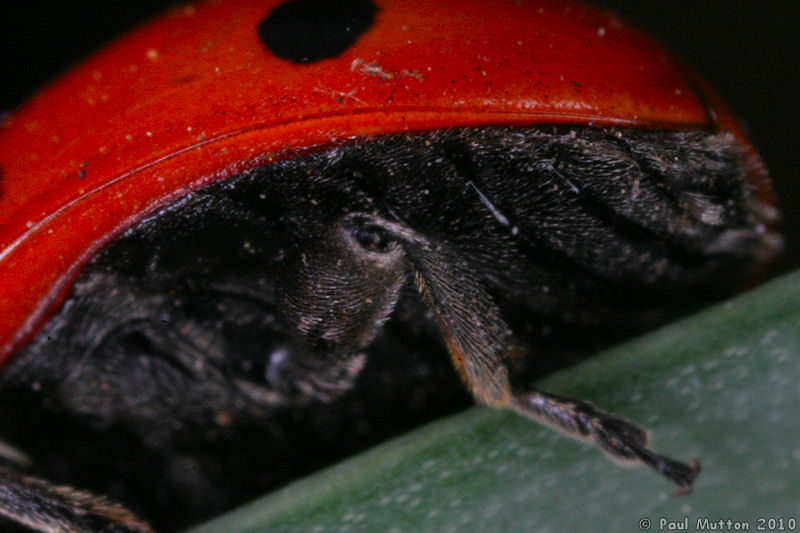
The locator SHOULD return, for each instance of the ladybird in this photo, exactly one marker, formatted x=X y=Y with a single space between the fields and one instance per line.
x=228 y=213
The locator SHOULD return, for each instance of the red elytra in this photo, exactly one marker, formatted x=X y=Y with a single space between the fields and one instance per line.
x=195 y=96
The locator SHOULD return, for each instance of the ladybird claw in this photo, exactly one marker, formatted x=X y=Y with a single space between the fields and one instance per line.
x=618 y=438
x=686 y=487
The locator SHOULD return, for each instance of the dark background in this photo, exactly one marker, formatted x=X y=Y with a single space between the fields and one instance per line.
x=749 y=50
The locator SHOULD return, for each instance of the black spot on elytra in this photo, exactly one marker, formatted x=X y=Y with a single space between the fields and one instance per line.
x=306 y=31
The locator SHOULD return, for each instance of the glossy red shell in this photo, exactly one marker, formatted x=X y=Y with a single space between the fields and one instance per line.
x=194 y=97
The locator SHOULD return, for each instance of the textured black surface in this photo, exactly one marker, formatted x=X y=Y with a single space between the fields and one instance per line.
x=140 y=374
x=307 y=31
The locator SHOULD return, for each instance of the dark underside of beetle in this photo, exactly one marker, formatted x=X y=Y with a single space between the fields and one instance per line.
x=214 y=351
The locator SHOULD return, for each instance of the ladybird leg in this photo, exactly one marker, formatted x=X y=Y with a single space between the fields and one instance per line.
x=44 y=507
x=335 y=293
x=617 y=437
x=477 y=337
x=294 y=374
x=481 y=345
x=299 y=377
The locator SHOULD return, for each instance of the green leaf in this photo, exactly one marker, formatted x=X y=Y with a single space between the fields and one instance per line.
x=722 y=386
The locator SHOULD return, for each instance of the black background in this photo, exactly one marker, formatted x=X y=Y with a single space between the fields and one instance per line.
x=749 y=50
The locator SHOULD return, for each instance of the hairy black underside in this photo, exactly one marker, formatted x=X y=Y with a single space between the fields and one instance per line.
x=156 y=384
